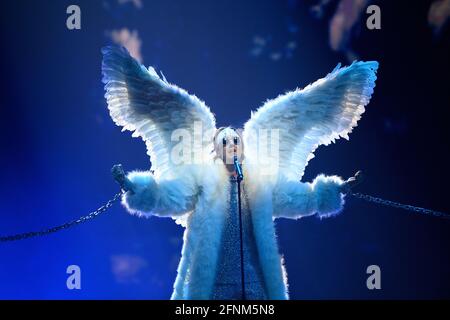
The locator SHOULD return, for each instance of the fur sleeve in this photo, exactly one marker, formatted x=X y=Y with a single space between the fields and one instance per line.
x=294 y=199
x=166 y=198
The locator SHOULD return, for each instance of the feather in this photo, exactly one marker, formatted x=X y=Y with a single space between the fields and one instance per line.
x=139 y=100
x=322 y=112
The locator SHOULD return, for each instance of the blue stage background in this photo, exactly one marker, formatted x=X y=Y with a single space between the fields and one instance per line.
x=57 y=144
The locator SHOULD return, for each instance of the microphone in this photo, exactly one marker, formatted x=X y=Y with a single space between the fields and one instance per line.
x=237 y=166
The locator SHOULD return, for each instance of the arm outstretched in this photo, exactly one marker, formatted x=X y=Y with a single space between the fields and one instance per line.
x=293 y=199
x=166 y=198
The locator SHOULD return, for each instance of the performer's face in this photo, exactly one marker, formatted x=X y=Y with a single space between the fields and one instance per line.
x=228 y=144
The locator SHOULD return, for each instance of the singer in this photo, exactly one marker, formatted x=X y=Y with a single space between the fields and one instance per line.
x=228 y=203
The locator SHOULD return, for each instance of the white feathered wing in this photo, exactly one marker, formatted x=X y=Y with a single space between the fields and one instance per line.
x=140 y=101
x=297 y=122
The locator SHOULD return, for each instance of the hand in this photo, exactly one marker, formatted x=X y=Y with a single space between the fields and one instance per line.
x=120 y=177
x=352 y=182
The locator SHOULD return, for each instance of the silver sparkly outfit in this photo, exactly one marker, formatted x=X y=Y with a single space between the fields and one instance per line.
x=228 y=282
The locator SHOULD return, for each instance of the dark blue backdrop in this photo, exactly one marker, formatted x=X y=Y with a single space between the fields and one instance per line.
x=58 y=145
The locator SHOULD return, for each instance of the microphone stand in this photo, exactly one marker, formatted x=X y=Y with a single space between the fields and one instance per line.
x=239 y=178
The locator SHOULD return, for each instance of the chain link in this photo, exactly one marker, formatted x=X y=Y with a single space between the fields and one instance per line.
x=117 y=196
x=66 y=225
x=401 y=206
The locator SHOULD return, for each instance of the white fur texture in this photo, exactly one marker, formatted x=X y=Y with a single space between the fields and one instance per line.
x=296 y=199
x=201 y=195
x=196 y=196
x=167 y=198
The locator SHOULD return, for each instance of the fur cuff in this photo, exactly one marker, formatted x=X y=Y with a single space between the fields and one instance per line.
x=145 y=195
x=330 y=200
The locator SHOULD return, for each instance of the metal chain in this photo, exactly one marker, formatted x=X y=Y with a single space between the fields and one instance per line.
x=401 y=206
x=117 y=196
x=66 y=225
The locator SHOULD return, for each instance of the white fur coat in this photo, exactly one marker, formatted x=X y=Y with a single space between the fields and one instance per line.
x=199 y=196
